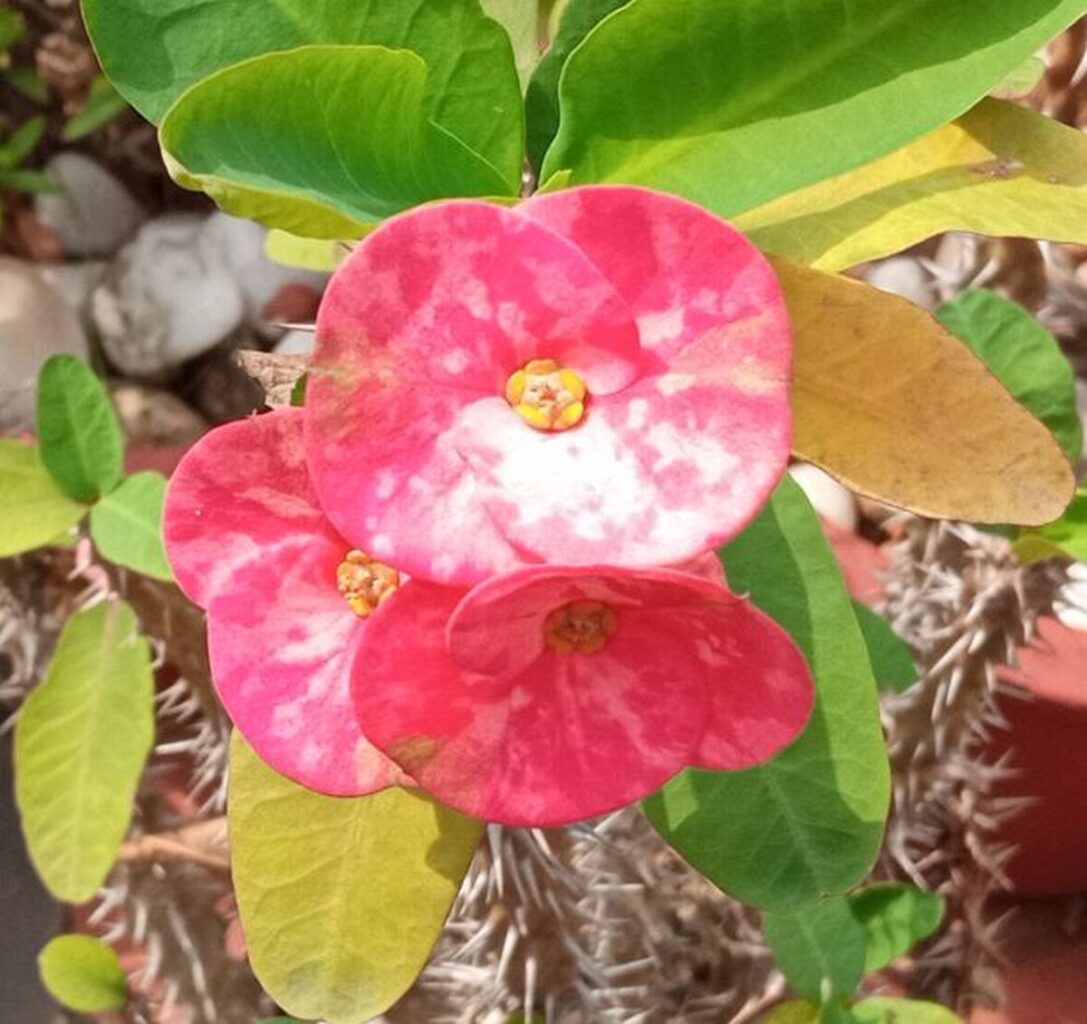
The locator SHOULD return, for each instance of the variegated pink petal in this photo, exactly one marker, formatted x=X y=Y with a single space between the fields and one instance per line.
x=240 y=491
x=246 y=539
x=280 y=638
x=682 y=271
x=430 y=315
x=538 y=738
x=706 y=565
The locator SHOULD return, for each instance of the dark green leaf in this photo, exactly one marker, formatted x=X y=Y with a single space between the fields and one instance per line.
x=892 y=663
x=579 y=18
x=80 y=745
x=734 y=102
x=820 y=948
x=12 y=28
x=127 y=525
x=153 y=50
x=342 y=139
x=83 y=974
x=80 y=437
x=895 y=918
x=810 y=821
x=30 y=84
x=103 y=104
x=33 y=509
x=1023 y=355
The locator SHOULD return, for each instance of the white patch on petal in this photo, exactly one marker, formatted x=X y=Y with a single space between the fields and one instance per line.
x=659 y=327
x=456 y=361
x=287 y=721
x=669 y=384
x=386 y=484
x=712 y=462
x=638 y=413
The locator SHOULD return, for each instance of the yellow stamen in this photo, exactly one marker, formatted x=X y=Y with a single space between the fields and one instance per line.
x=547 y=396
x=365 y=582
x=583 y=626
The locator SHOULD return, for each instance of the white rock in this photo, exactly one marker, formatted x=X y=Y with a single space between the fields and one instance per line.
x=93 y=213
x=241 y=245
x=1071 y=604
x=167 y=298
x=294 y=343
x=902 y=275
x=831 y=500
x=35 y=323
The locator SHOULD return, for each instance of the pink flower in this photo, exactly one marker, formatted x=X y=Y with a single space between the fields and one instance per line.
x=553 y=694
x=285 y=597
x=597 y=376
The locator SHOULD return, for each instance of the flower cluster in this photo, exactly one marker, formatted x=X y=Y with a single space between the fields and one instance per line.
x=476 y=561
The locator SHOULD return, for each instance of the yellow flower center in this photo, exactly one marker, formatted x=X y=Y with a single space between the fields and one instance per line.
x=547 y=396
x=583 y=626
x=365 y=582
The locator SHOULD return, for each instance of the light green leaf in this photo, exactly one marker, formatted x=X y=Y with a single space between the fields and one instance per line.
x=321 y=254
x=889 y=654
x=103 y=104
x=153 y=50
x=80 y=746
x=820 y=949
x=521 y=20
x=795 y=1011
x=83 y=974
x=342 y=140
x=579 y=18
x=1022 y=80
x=883 y=1010
x=1023 y=355
x=126 y=525
x=895 y=918
x=732 y=103
x=341 y=899
x=78 y=431
x=810 y=821
x=997 y=170
x=33 y=509
x=31 y=182
x=1064 y=538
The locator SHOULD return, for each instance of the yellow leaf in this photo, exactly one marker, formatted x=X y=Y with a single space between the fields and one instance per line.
x=896 y=407
x=796 y=1011
x=998 y=170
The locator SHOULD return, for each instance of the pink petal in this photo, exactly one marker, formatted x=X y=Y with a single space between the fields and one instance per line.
x=280 y=638
x=431 y=314
x=247 y=540
x=541 y=738
x=706 y=565
x=238 y=492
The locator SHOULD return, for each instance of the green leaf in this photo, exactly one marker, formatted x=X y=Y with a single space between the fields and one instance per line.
x=1022 y=80
x=795 y=1011
x=342 y=139
x=341 y=899
x=1023 y=355
x=21 y=142
x=578 y=19
x=810 y=821
x=83 y=974
x=33 y=509
x=889 y=654
x=1064 y=538
x=820 y=949
x=20 y=180
x=321 y=254
x=885 y=1010
x=30 y=84
x=12 y=28
x=127 y=525
x=734 y=102
x=153 y=50
x=521 y=20
x=80 y=746
x=78 y=431
x=997 y=170
x=103 y=104
x=895 y=918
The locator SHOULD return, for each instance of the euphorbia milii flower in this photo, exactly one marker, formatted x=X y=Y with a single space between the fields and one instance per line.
x=551 y=694
x=285 y=596
x=599 y=375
